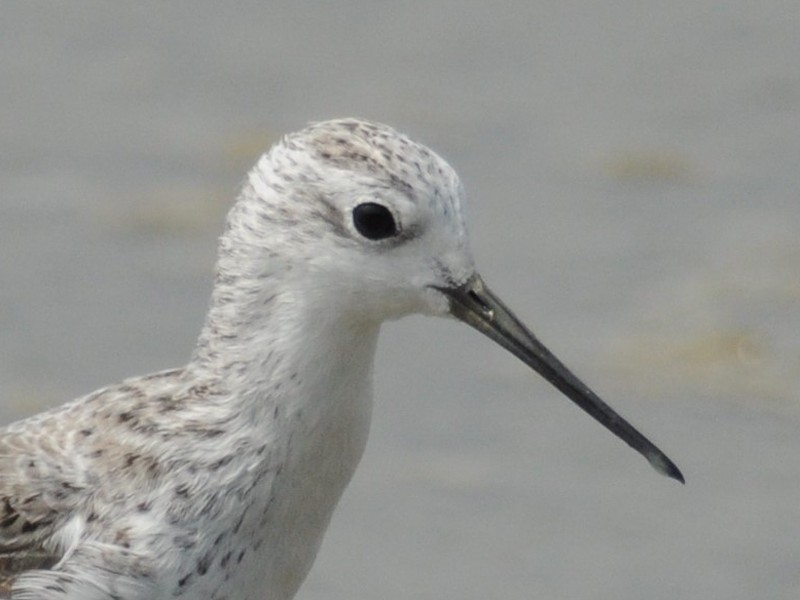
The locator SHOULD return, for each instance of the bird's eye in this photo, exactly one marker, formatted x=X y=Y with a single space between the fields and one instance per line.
x=374 y=221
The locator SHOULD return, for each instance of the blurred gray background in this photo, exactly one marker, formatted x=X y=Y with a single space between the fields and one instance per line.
x=633 y=170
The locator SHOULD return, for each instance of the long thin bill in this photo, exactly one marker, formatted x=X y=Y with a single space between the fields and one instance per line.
x=474 y=304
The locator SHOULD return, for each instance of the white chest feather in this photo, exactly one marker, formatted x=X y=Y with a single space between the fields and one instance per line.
x=319 y=433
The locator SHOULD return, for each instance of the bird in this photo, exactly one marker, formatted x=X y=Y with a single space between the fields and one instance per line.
x=218 y=479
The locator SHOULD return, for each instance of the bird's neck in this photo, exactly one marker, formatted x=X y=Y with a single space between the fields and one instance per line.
x=279 y=339
x=297 y=377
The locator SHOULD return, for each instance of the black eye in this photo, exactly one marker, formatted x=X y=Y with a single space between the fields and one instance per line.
x=374 y=221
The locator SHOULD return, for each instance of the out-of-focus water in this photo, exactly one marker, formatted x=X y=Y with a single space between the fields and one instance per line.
x=634 y=183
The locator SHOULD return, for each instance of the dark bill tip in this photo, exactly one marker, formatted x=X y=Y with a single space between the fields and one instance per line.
x=474 y=304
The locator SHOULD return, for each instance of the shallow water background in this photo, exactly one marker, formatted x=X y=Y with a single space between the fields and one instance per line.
x=633 y=170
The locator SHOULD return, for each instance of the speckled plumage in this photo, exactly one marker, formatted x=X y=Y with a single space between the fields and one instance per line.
x=216 y=481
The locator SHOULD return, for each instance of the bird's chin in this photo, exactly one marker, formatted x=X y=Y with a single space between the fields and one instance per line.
x=434 y=303
x=429 y=302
